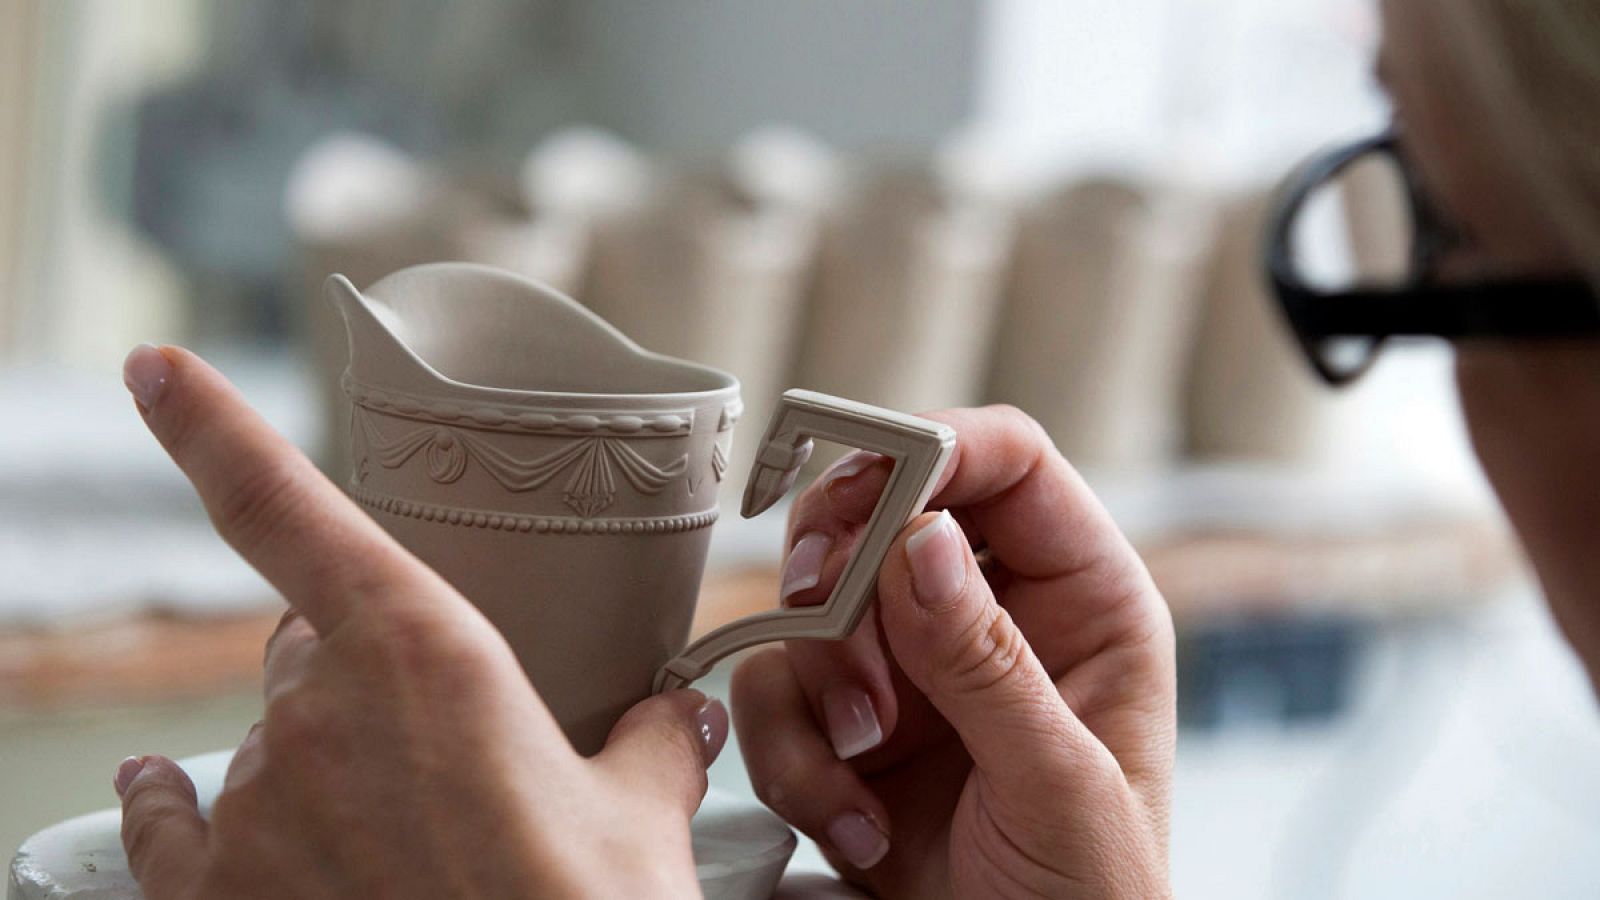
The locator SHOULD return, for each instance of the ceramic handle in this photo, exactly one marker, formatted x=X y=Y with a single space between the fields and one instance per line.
x=918 y=450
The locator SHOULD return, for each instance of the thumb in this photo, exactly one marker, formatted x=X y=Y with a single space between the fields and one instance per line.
x=162 y=831
x=962 y=650
x=664 y=744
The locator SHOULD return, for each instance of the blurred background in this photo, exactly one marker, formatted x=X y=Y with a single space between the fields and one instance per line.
x=1050 y=203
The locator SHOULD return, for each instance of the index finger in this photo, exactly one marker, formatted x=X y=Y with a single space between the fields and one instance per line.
x=327 y=557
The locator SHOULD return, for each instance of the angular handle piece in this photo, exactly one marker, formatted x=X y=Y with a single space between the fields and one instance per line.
x=918 y=450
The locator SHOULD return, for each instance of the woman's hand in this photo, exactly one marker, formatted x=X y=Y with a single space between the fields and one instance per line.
x=403 y=752
x=996 y=730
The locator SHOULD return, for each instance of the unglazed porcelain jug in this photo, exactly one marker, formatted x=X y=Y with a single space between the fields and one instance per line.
x=565 y=480
x=556 y=474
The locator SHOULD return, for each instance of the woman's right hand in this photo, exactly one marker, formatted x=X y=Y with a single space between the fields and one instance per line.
x=403 y=752
x=1003 y=730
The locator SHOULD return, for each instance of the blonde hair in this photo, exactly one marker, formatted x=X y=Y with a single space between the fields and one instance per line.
x=1535 y=65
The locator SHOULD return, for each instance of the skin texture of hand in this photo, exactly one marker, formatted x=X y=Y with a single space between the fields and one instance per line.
x=1003 y=730
x=403 y=752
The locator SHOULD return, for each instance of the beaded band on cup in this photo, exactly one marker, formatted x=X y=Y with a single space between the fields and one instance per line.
x=472 y=518
x=641 y=423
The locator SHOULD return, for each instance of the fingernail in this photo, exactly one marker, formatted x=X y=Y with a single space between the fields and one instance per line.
x=849 y=466
x=804 y=569
x=145 y=373
x=852 y=722
x=126 y=772
x=712 y=720
x=938 y=559
x=858 y=840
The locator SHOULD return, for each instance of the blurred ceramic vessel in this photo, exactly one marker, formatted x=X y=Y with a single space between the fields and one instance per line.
x=907 y=291
x=562 y=478
x=1097 y=321
x=1251 y=398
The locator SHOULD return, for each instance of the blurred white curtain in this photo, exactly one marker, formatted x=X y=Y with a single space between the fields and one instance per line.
x=1204 y=90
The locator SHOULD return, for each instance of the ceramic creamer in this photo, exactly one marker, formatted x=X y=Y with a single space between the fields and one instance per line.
x=561 y=477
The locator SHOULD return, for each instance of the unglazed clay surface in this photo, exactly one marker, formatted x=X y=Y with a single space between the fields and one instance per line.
x=917 y=449
x=562 y=478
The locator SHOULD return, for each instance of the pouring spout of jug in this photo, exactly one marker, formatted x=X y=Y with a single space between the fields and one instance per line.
x=377 y=352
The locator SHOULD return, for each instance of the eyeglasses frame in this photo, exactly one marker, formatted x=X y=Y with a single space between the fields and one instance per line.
x=1513 y=308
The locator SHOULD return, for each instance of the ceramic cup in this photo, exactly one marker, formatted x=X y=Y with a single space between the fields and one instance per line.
x=562 y=478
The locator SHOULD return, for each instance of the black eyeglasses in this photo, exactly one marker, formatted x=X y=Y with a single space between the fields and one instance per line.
x=1393 y=289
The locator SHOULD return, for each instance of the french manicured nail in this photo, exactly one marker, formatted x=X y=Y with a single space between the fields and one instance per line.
x=145 y=372
x=858 y=840
x=804 y=569
x=852 y=722
x=849 y=466
x=126 y=772
x=938 y=557
x=712 y=721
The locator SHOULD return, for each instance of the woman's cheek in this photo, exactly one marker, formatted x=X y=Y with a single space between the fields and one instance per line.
x=1534 y=416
